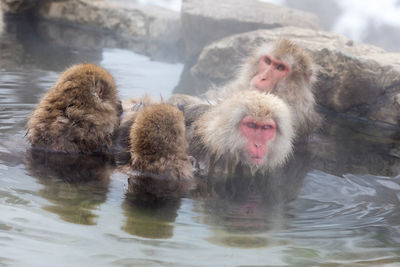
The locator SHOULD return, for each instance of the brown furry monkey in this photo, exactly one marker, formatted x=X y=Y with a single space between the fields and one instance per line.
x=79 y=114
x=159 y=166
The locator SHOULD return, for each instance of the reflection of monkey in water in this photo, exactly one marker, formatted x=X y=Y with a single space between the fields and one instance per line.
x=159 y=166
x=75 y=184
x=244 y=206
x=155 y=220
x=79 y=114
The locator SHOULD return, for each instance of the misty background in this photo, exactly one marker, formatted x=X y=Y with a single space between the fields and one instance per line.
x=368 y=21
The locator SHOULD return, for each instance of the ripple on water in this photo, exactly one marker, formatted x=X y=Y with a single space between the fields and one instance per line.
x=351 y=213
x=19 y=93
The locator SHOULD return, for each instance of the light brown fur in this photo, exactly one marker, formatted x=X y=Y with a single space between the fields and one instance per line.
x=217 y=142
x=296 y=89
x=79 y=114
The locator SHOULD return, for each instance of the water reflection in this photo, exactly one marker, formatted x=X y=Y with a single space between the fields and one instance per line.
x=348 y=145
x=75 y=184
x=24 y=44
x=353 y=218
x=246 y=207
x=150 y=220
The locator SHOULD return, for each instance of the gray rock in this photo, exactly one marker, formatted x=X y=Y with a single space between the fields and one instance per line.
x=355 y=79
x=84 y=38
x=18 y=6
x=204 y=21
x=348 y=145
x=139 y=22
x=1 y=20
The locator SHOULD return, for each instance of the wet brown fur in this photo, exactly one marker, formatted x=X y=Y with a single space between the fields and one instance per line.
x=159 y=164
x=80 y=114
x=157 y=137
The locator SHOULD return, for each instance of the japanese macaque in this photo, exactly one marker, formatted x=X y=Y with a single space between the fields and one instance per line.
x=80 y=114
x=131 y=109
x=1 y=21
x=281 y=68
x=286 y=70
x=250 y=129
x=159 y=166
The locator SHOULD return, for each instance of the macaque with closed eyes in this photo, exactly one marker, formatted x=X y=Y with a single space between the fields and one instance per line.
x=250 y=129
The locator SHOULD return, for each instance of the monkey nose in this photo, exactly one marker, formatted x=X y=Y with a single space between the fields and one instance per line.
x=257 y=145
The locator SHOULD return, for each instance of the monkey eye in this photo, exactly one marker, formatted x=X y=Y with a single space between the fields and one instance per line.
x=281 y=67
x=267 y=60
x=266 y=127
x=251 y=125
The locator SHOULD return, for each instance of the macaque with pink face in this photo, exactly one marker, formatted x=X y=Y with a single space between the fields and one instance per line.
x=270 y=70
x=257 y=133
x=284 y=69
x=250 y=129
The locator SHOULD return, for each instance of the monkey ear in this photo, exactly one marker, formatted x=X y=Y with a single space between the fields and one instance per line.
x=120 y=110
x=311 y=75
x=137 y=106
x=181 y=107
x=99 y=89
x=308 y=76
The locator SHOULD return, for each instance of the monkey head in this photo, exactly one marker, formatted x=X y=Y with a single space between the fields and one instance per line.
x=285 y=69
x=158 y=132
x=249 y=128
x=160 y=166
x=88 y=85
x=79 y=114
x=275 y=65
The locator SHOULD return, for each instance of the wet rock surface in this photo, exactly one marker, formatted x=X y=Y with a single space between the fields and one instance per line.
x=19 y=6
x=1 y=20
x=139 y=22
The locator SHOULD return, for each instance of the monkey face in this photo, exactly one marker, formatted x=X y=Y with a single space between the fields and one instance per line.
x=257 y=135
x=249 y=128
x=270 y=70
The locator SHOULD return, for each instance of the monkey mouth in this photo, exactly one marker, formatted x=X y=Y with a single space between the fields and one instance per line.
x=265 y=89
x=256 y=159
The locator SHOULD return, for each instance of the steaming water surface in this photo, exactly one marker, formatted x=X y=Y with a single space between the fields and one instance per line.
x=63 y=211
